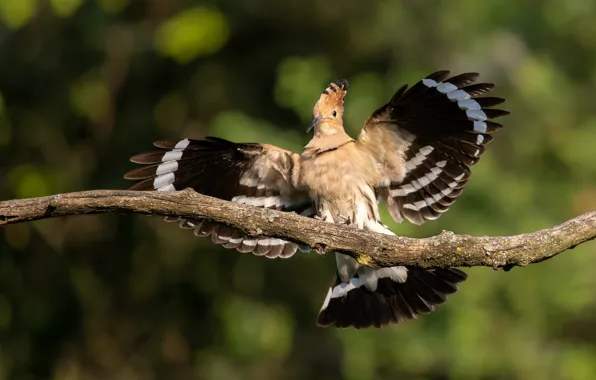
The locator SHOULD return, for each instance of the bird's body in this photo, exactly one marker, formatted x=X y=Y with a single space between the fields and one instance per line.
x=341 y=184
x=413 y=154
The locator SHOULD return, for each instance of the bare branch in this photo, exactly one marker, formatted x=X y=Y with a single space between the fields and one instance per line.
x=369 y=248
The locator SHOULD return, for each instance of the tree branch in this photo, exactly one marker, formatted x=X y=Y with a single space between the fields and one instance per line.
x=369 y=248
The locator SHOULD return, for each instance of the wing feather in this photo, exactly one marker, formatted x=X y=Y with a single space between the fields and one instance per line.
x=249 y=173
x=426 y=138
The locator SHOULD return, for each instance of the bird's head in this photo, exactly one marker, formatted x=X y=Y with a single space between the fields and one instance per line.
x=329 y=109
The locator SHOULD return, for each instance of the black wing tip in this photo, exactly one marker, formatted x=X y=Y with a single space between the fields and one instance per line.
x=488 y=86
x=452 y=274
x=142 y=158
x=469 y=77
x=173 y=143
x=145 y=185
x=438 y=74
x=494 y=113
x=489 y=101
x=323 y=320
x=167 y=143
x=130 y=175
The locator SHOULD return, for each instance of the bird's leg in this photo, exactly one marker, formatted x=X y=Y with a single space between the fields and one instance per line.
x=345 y=219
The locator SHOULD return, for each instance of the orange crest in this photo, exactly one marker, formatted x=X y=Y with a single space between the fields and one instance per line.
x=332 y=97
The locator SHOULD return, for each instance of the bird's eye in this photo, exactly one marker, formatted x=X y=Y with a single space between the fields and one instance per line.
x=334 y=113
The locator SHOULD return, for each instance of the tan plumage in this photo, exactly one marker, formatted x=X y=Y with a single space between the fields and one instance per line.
x=413 y=154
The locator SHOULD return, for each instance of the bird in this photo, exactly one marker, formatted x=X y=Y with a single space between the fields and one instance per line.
x=413 y=154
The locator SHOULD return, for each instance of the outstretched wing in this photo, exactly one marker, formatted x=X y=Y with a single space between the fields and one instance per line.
x=248 y=173
x=424 y=141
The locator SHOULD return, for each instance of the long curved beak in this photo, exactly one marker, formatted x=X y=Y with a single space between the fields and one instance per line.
x=314 y=122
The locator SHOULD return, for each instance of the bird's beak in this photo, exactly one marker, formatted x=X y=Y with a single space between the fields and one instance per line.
x=314 y=122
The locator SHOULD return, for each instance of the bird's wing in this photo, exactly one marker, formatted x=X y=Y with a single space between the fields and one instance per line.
x=424 y=141
x=254 y=174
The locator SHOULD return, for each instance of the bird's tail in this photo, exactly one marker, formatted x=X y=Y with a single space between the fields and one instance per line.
x=377 y=297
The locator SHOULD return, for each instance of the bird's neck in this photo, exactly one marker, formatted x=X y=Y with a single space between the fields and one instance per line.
x=322 y=142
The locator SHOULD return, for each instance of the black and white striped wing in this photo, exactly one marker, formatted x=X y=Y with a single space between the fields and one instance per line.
x=426 y=138
x=254 y=174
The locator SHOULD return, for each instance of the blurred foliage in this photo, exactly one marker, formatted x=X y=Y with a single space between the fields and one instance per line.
x=85 y=84
x=192 y=33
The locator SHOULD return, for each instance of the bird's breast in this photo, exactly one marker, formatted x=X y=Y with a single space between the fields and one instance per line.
x=341 y=188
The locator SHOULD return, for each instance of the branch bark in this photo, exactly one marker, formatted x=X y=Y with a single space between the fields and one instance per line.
x=369 y=248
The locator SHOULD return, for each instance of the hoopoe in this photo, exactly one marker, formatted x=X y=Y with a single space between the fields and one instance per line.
x=413 y=154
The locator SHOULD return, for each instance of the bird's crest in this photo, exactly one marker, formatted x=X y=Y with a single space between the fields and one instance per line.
x=336 y=91
x=332 y=99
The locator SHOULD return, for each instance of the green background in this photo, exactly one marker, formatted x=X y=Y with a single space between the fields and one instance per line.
x=85 y=84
